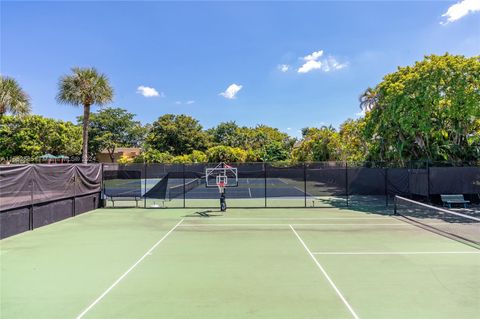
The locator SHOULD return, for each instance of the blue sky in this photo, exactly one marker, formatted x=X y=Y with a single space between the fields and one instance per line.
x=286 y=64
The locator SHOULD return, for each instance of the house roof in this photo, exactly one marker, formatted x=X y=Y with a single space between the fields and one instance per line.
x=123 y=150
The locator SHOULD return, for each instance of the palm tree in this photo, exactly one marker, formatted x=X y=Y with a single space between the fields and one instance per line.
x=12 y=98
x=368 y=99
x=84 y=87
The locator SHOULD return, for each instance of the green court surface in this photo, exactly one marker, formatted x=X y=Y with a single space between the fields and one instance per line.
x=246 y=263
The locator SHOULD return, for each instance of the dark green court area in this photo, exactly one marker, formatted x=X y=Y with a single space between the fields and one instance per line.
x=246 y=263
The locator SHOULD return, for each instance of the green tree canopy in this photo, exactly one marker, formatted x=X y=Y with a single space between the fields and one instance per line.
x=318 y=144
x=227 y=154
x=35 y=135
x=430 y=110
x=274 y=151
x=227 y=134
x=177 y=135
x=110 y=128
x=352 y=143
x=12 y=98
x=85 y=86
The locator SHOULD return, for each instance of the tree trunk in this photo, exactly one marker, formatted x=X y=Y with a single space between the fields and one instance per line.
x=86 y=118
x=110 y=153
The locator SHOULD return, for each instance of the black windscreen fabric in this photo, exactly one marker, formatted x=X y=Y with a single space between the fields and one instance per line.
x=159 y=190
x=51 y=212
x=52 y=182
x=418 y=181
x=366 y=181
x=161 y=177
x=454 y=180
x=14 y=222
x=15 y=186
x=88 y=178
x=326 y=179
x=397 y=181
x=86 y=203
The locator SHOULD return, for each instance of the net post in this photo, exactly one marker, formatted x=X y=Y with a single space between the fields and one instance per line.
x=305 y=183
x=395 y=205
x=184 y=186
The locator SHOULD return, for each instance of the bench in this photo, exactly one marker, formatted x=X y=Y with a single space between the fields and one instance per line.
x=448 y=200
x=121 y=198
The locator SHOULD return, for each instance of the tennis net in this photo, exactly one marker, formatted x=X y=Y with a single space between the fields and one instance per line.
x=178 y=190
x=444 y=222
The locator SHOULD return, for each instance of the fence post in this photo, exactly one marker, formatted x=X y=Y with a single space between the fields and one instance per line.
x=145 y=184
x=30 y=211
x=386 y=185
x=74 y=191
x=428 y=181
x=265 y=181
x=346 y=180
x=305 y=182
x=184 y=189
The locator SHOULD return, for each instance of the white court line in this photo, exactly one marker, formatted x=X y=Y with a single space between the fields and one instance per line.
x=301 y=218
x=260 y=225
x=330 y=281
x=129 y=270
x=395 y=252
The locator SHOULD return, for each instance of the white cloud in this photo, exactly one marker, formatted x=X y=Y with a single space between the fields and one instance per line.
x=313 y=62
x=331 y=64
x=314 y=56
x=309 y=66
x=190 y=102
x=231 y=91
x=460 y=9
x=178 y=102
x=148 y=91
x=289 y=128
x=284 y=67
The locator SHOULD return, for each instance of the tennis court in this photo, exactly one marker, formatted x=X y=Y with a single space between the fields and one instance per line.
x=246 y=263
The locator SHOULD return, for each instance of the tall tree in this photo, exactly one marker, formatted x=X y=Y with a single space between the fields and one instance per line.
x=110 y=128
x=177 y=135
x=427 y=111
x=12 y=98
x=85 y=87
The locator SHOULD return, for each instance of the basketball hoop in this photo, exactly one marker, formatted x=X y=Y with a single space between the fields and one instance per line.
x=221 y=183
x=221 y=187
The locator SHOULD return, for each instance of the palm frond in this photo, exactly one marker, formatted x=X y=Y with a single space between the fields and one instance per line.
x=12 y=98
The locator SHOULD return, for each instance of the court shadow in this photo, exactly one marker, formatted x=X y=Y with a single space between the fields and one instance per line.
x=205 y=213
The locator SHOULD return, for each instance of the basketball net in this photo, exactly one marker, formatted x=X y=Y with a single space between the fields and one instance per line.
x=221 y=187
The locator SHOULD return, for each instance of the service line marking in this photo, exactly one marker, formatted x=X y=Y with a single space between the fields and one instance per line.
x=286 y=225
x=128 y=271
x=394 y=252
x=330 y=281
